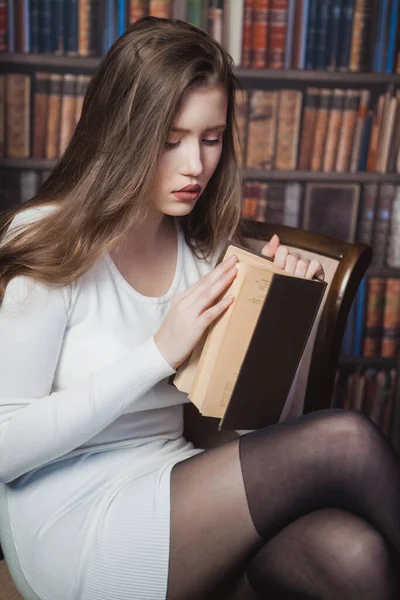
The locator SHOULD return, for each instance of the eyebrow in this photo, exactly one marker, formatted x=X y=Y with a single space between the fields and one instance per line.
x=220 y=127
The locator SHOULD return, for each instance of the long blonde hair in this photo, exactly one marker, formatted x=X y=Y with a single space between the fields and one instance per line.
x=101 y=184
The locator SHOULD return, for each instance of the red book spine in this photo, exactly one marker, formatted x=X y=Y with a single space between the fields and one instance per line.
x=247 y=33
x=260 y=34
x=277 y=34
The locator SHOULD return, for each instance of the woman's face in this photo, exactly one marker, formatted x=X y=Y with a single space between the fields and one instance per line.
x=192 y=152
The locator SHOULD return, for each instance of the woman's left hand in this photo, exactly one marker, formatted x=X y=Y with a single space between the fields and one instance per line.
x=291 y=262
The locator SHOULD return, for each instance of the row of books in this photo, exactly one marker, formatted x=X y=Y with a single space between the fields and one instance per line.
x=373 y=325
x=349 y=212
x=352 y=35
x=370 y=391
x=45 y=131
x=355 y=35
x=321 y=129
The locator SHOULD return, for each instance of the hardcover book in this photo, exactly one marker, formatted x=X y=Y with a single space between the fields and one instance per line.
x=242 y=369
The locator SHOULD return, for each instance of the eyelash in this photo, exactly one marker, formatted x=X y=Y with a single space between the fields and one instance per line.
x=170 y=145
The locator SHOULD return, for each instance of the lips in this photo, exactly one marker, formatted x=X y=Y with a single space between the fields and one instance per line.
x=191 y=188
x=189 y=193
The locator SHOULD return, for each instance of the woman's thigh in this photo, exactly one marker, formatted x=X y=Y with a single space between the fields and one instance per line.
x=211 y=528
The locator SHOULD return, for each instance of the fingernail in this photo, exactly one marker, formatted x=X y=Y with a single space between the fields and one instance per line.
x=274 y=238
x=233 y=258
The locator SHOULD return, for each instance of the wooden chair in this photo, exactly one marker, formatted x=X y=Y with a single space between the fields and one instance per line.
x=344 y=264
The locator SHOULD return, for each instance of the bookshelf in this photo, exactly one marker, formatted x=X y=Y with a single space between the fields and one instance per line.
x=297 y=77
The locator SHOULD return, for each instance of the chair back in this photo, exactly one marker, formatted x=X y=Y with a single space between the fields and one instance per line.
x=344 y=264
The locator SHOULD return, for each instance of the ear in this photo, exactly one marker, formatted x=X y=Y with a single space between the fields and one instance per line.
x=271 y=247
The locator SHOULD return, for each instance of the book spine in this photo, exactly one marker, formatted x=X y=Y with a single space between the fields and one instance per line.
x=393 y=256
x=367 y=213
x=310 y=110
x=359 y=37
x=334 y=126
x=359 y=130
x=381 y=225
x=262 y=202
x=350 y=114
x=235 y=30
x=290 y=34
x=321 y=126
x=335 y=34
x=312 y=35
x=84 y=19
x=346 y=35
x=160 y=8
x=260 y=33
x=53 y=116
x=137 y=10
x=41 y=96
x=288 y=129
x=322 y=35
x=216 y=19
x=262 y=124
x=247 y=39
x=241 y=113
x=278 y=17
x=374 y=317
x=18 y=102
x=391 y=319
x=68 y=101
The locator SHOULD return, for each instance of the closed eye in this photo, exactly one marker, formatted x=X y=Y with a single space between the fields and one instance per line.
x=215 y=142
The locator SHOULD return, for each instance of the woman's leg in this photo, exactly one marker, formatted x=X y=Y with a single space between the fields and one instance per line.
x=325 y=555
x=225 y=504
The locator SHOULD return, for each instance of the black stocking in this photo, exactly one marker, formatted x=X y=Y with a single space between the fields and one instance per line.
x=251 y=500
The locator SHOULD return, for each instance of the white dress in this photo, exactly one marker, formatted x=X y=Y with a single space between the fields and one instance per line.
x=89 y=431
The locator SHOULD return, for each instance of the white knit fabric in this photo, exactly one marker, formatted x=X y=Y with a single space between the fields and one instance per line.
x=89 y=431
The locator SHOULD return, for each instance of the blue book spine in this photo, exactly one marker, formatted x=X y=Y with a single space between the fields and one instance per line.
x=359 y=317
x=71 y=26
x=121 y=17
x=10 y=26
x=334 y=26
x=45 y=25
x=289 y=34
x=322 y=34
x=35 y=26
x=312 y=35
x=381 y=36
x=303 y=38
x=109 y=24
x=27 y=31
x=57 y=27
x=394 y=15
x=346 y=34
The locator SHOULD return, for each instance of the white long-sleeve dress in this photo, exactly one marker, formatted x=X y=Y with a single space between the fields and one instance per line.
x=89 y=431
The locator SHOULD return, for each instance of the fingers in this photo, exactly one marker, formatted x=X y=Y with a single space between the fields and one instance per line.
x=271 y=247
x=315 y=270
x=207 y=280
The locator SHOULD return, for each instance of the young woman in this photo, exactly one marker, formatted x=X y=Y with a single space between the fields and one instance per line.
x=107 y=282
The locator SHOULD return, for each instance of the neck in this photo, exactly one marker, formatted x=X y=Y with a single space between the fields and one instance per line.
x=146 y=239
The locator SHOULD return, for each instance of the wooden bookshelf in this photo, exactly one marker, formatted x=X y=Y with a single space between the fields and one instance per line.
x=298 y=176
x=281 y=76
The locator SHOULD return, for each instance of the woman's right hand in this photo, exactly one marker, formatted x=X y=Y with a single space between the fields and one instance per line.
x=192 y=311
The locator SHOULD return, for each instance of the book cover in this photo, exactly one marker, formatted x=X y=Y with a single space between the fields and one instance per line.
x=242 y=370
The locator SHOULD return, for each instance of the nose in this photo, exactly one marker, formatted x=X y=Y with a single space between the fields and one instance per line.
x=193 y=162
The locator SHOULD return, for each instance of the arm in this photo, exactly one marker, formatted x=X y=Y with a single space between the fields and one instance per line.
x=37 y=426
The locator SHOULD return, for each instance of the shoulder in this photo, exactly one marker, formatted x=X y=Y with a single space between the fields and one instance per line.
x=24 y=293
x=27 y=217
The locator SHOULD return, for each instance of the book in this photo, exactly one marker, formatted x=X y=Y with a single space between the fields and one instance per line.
x=242 y=369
